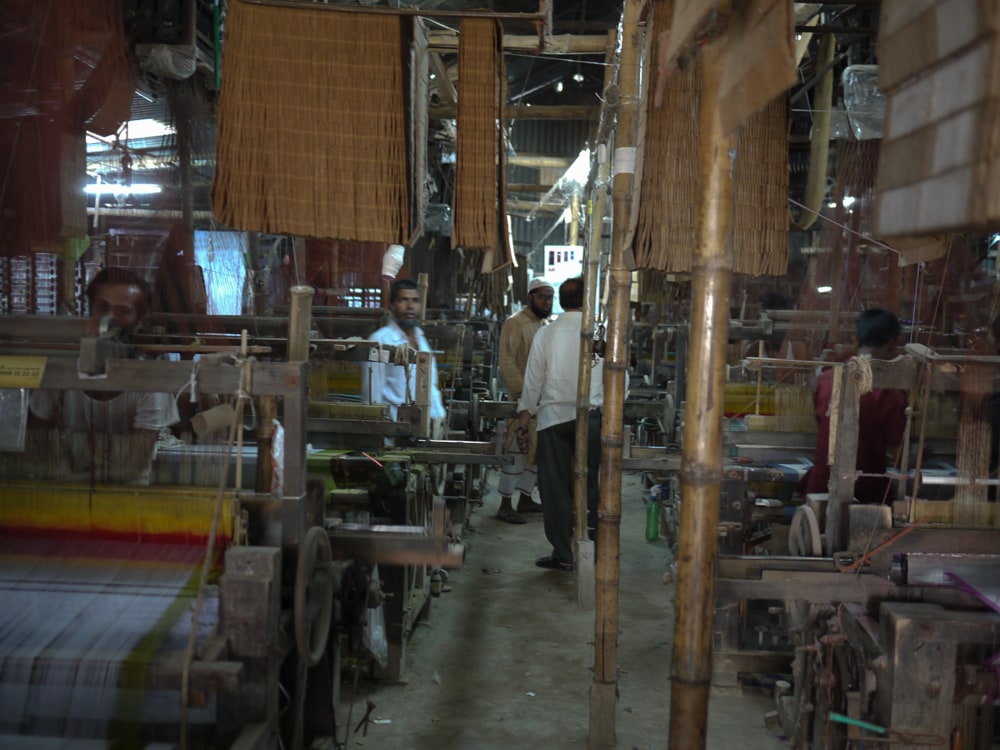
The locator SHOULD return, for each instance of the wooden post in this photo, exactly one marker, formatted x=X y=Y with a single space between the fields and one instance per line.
x=584 y=549
x=422 y=391
x=845 y=406
x=701 y=472
x=267 y=412
x=604 y=688
x=299 y=319
x=422 y=282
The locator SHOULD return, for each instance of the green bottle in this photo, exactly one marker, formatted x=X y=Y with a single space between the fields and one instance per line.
x=653 y=520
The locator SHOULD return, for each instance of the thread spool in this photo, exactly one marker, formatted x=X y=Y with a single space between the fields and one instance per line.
x=213 y=420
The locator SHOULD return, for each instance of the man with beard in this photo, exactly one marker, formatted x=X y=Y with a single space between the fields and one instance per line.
x=392 y=384
x=516 y=335
x=109 y=436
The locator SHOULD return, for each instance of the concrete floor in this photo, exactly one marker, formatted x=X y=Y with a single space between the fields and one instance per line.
x=504 y=659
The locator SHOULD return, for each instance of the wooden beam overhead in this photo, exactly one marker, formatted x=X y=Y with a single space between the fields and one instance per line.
x=445 y=86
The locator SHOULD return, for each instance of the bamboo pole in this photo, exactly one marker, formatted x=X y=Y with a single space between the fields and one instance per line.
x=604 y=688
x=584 y=546
x=701 y=473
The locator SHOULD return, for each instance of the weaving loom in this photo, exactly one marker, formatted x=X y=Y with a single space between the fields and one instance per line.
x=100 y=586
x=118 y=628
x=116 y=571
x=877 y=583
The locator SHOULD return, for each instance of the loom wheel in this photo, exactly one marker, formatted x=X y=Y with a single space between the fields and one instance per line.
x=313 y=595
x=804 y=539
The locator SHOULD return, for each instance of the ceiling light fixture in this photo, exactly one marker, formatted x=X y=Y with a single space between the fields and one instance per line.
x=824 y=289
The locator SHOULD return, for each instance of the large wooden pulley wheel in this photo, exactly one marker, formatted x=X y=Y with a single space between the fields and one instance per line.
x=313 y=595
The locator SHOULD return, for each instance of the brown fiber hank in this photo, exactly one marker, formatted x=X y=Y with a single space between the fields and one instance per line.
x=760 y=193
x=478 y=152
x=666 y=232
x=312 y=124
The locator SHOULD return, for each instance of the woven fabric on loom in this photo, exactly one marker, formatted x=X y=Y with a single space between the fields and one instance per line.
x=312 y=133
x=479 y=220
x=668 y=201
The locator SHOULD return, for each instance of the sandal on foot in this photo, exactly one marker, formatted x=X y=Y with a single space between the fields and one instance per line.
x=553 y=563
x=509 y=515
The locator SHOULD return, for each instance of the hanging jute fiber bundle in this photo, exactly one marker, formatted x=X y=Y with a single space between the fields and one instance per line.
x=479 y=220
x=668 y=210
x=312 y=133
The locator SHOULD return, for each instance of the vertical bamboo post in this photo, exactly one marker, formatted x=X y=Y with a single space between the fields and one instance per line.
x=604 y=687
x=701 y=468
x=584 y=549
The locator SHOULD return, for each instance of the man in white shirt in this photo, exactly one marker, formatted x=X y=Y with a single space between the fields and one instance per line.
x=550 y=386
x=109 y=437
x=392 y=384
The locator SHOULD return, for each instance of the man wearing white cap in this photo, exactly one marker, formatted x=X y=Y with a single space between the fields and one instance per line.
x=516 y=336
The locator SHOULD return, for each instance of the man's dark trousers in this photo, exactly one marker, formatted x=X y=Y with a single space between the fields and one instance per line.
x=556 y=445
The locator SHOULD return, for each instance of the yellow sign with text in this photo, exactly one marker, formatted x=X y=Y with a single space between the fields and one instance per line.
x=21 y=372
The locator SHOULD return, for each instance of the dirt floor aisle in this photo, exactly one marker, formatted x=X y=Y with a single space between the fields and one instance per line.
x=504 y=660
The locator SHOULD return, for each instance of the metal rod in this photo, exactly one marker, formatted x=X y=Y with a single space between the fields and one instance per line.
x=701 y=476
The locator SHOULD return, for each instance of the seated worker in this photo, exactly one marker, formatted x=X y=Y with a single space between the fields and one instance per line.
x=881 y=416
x=107 y=436
x=388 y=383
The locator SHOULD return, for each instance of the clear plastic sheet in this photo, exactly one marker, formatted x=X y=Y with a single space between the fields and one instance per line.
x=863 y=100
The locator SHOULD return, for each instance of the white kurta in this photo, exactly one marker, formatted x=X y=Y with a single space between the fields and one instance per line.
x=387 y=383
